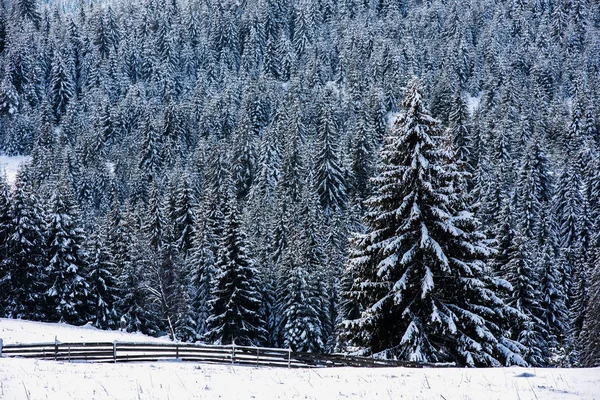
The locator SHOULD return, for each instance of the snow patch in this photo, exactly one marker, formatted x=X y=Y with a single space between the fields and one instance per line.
x=9 y=165
x=21 y=331
x=473 y=103
x=111 y=168
x=389 y=118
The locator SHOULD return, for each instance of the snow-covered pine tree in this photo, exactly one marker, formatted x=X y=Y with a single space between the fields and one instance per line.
x=533 y=187
x=67 y=297
x=553 y=299
x=590 y=333
x=420 y=273
x=361 y=164
x=102 y=279
x=303 y=298
x=331 y=184
x=202 y=264
x=260 y=212
x=523 y=273
x=184 y=326
x=215 y=193
x=25 y=247
x=299 y=306
x=567 y=206
x=155 y=226
x=336 y=251
x=5 y=228
x=28 y=10
x=173 y=131
x=161 y=258
x=131 y=258
x=578 y=307
x=62 y=84
x=323 y=289
x=292 y=165
x=570 y=205
x=244 y=158
x=9 y=98
x=184 y=216
x=150 y=151
x=161 y=285
x=525 y=257
x=235 y=306
x=458 y=121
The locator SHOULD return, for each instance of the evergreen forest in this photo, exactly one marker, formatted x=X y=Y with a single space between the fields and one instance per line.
x=409 y=179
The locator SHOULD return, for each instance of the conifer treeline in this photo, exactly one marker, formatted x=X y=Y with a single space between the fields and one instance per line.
x=187 y=156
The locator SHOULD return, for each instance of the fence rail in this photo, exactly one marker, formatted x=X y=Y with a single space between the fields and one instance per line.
x=117 y=352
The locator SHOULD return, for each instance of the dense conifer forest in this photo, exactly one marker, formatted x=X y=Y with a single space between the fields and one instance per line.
x=412 y=179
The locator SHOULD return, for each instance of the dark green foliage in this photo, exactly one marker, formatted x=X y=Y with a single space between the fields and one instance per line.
x=28 y=10
x=102 y=279
x=5 y=231
x=148 y=107
x=331 y=185
x=236 y=304
x=419 y=273
x=203 y=271
x=130 y=257
x=27 y=276
x=67 y=298
x=63 y=86
x=184 y=217
x=590 y=335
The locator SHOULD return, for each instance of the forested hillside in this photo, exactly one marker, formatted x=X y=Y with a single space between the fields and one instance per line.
x=417 y=179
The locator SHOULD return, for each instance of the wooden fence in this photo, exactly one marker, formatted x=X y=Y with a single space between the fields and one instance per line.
x=113 y=352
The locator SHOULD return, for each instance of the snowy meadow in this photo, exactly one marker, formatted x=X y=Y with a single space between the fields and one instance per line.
x=34 y=379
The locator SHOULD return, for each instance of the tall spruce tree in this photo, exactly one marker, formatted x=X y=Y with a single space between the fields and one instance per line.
x=184 y=217
x=102 y=278
x=5 y=229
x=523 y=273
x=130 y=256
x=590 y=334
x=68 y=296
x=299 y=306
x=203 y=273
x=236 y=304
x=458 y=121
x=420 y=273
x=26 y=259
x=331 y=184
x=303 y=298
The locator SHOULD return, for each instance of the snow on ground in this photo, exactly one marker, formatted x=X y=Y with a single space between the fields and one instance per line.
x=21 y=331
x=33 y=379
x=473 y=103
x=9 y=165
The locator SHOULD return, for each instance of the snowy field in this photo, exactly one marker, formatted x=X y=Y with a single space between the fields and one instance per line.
x=20 y=331
x=32 y=379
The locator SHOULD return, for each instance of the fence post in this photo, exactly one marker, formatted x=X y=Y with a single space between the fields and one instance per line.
x=55 y=348
x=289 y=358
x=1 y=347
x=257 y=353
x=233 y=352
x=177 y=351
x=115 y=351
x=69 y=353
